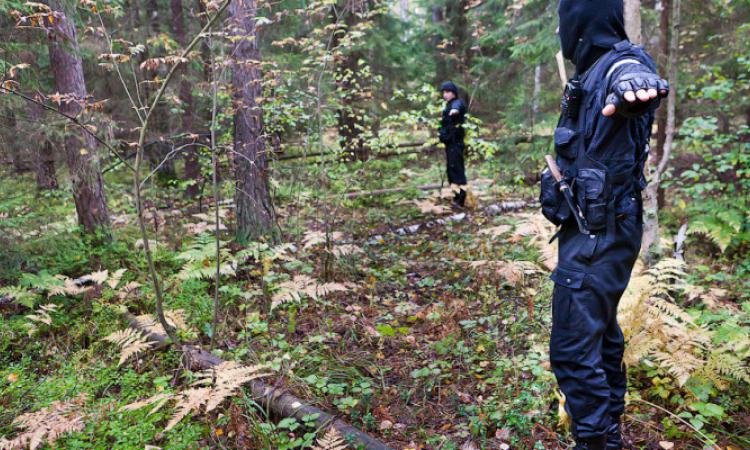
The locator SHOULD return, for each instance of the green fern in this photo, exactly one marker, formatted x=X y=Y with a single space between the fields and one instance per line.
x=200 y=259
x=20 y=295
x=721 y=227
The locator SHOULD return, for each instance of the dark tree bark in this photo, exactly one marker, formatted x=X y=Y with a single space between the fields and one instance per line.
x=441 y=66
x=12 y=141
x=455 y=16
x=43 y=152
x=350 y=83
x=80 y=147
x=192 y=165
x=255 y=214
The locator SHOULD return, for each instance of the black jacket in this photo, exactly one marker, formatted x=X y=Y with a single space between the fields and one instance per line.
x=451 y=127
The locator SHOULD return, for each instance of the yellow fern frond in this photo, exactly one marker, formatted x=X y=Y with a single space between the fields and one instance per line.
x=157 y=400
x=303 y=285
x=43 y=314
x=190 y=400
x=150 y=324
x=114 y=280
x=332 y=440
x=228 y=377
x=130 y=341
x=48 y=424
x=211 y=388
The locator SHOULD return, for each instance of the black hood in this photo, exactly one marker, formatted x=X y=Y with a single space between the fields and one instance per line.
x=589 y=28
x=450 y=87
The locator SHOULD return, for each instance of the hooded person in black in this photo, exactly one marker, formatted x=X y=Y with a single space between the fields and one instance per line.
x=452 y=135
x=601 y=144
x=589 y=29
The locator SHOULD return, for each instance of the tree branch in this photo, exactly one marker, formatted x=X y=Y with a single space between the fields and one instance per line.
x=136 y=173
x=72 y=119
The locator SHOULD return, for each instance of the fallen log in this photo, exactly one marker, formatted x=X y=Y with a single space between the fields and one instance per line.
x=280 y=402
x=426 y=187
x=374 y=154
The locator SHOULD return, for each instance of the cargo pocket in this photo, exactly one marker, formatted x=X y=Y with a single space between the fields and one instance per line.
x=592 y=193
x=568 y=283
x=564 y=142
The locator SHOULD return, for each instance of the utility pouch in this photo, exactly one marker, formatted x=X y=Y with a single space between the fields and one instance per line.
x=444 y=135
x=572 y=99
x=592 y=194
x=564 y=142
x=554 y=206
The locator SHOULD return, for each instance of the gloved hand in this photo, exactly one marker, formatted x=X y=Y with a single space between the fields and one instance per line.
x=635 y=93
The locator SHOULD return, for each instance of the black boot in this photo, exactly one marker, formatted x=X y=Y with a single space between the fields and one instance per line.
x=595 y=443
x=614 y=436
x=459 y=199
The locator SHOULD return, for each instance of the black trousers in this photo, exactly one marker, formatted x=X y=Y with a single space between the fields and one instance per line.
x=454 y=155
x=587 y=344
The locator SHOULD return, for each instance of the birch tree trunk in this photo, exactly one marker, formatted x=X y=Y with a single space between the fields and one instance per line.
x=662 y=57
x=80 y=147
x=255 y=214
x=650 y=245
x=535 y=95
x=633 y=20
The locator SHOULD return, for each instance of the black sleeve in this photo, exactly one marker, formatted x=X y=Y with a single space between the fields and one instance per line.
x=459 y=105
x=631 y=75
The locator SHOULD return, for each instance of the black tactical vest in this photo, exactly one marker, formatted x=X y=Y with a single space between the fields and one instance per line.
x=602 y=158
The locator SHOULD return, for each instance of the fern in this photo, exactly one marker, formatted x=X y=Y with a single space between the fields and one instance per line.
x=47 y=424
x=512 y=271
x=150 y=324
x=262 y=251
x=42 y=314
x=130 y=341
x=303 y=286
x=332 y=440
x=133 y=341
x=659 y=330
x=721 y=227
x=19 y=295
x=210 y=389
x=537 y=230
x=200 y=259
x=313 y=238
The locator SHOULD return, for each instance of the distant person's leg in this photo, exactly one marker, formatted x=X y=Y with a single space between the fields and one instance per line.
x=456 y=169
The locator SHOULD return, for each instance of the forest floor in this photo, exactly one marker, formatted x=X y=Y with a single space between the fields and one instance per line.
x=428 y=337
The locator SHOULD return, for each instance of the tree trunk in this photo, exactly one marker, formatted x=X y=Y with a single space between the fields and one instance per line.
x=192 y=165
x=80 y=147
x=650 y=245
x=441 y=66
x=535 y=95
x=12 y=141
x=255 y=215
x=633 y=20
x=350 y=83
x=455 y=13
x=663 y=66
x=43 y=152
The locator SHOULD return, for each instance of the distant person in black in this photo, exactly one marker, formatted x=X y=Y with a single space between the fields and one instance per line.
x=452 y=135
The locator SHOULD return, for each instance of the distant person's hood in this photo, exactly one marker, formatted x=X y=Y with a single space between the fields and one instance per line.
x=450 y=87
x=589 y=28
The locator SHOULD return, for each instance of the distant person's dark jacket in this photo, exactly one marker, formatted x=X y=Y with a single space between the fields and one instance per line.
x=451 y=127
